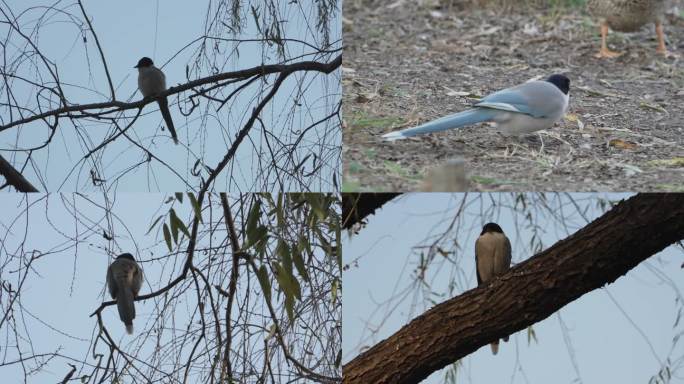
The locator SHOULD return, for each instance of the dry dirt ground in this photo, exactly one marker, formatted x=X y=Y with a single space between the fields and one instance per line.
x=408 y=62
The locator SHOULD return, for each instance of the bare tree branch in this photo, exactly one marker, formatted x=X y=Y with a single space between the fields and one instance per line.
x=14 y=177
x=118 y=106
x=297 y=144
x=357 y=206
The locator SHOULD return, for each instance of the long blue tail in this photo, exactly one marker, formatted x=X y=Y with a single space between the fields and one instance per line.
x=457 y=120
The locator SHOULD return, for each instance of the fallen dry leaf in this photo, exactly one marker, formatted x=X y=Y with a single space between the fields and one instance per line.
x=571 y=117
x=622 y=144
x=674 y=162
x=366 y=97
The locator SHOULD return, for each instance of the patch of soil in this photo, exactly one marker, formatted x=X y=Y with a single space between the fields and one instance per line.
x=406 y=63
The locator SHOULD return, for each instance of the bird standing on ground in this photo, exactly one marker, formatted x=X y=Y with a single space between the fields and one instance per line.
x=522 y=109
x=628 y=16
x=124 y=280
x=151 y=82
x=492 y=258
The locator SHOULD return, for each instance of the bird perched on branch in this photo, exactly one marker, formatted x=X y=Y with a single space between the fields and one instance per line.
x=628 y=16
x=522 y=109
x=151 y=82
x=492 y=258
x=124 y=279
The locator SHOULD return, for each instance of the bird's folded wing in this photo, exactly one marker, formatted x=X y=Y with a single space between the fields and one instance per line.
x=537 y=98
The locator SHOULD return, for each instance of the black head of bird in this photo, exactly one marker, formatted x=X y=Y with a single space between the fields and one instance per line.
x=126 y=256
x=491 y=227
x=144 y=62
x=560 y=81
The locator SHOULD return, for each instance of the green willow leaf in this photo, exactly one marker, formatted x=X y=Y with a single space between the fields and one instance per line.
x=299 y=264
x=296 y=286
x=253 y=221
x=531 y=335
x=174 y=225
x=289 y=306
x=167 y=237
x=283 y=250
x=287 y=282
x=154 y=224
x=257 y=239
x=304 y=246
x=318 y=206
x=196 y=207
x=262 y=275
x=179 y=223
x=338 y=359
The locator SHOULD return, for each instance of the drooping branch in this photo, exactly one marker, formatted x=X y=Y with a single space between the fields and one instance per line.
x=596 y=255
x=117 y=106
x=227 y=370
x=99 y=49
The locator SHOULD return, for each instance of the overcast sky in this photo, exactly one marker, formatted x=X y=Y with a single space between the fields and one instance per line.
x=606 y=344
x=165 y=31
x=66 y=284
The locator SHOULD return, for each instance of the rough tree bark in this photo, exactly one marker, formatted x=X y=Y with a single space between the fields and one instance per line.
x=14 y=177
x=356 y=206
x=596 y=255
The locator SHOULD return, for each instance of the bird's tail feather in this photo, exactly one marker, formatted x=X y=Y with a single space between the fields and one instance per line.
x=495 y=347
x=164 y=108
x=457 y=120
x=126 y=306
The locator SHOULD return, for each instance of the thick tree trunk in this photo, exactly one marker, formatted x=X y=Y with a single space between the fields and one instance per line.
x=594 y=256
x=356 y=206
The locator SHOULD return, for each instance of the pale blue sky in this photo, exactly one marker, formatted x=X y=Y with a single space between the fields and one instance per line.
x=129 y=30
x=67 y=283
x=607 y=346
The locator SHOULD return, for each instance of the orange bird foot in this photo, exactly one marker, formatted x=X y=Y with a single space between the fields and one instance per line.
x=665 y=53
x=606 y=53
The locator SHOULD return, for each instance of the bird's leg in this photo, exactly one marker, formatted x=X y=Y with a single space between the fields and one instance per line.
x=605 y=52
x=662 y=50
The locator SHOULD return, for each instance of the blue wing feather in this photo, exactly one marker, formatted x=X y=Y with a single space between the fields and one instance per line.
x=529 y=98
